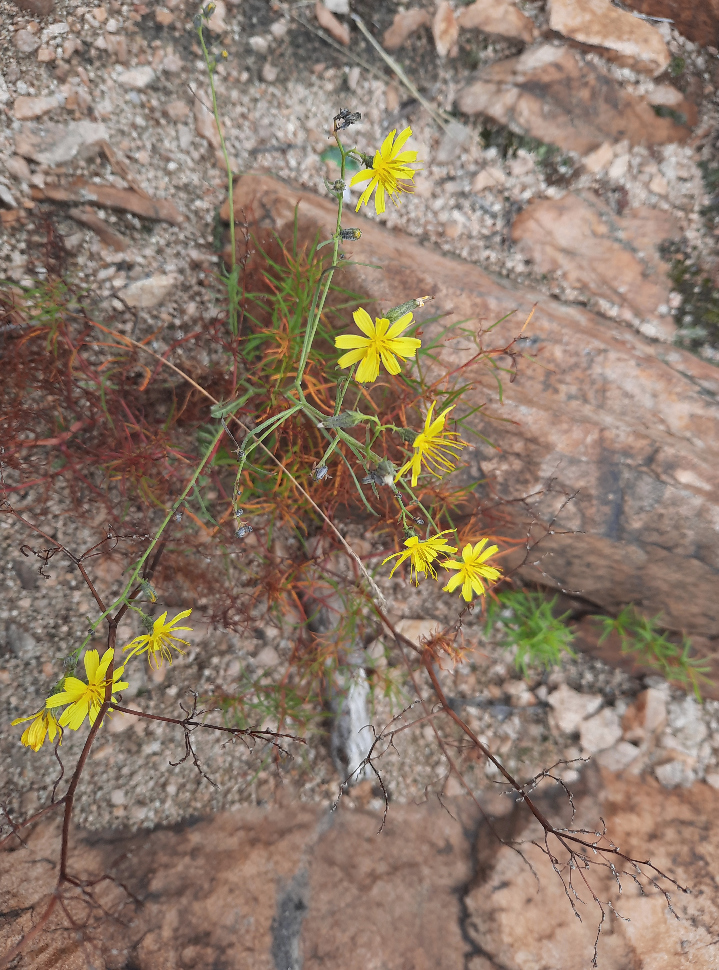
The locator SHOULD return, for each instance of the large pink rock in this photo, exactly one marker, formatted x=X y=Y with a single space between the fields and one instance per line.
x=556 y=96
x=631 y=423
x=618 y=35
x=608 y=259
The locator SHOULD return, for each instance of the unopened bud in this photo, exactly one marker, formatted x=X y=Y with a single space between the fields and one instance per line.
x=348 y=419
x=399 y=311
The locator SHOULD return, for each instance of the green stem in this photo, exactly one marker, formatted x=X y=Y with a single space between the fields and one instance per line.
x=123 y=597
x=314 y=319
x=232 y=290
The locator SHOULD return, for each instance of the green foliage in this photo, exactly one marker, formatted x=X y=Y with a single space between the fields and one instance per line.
x=676 y=66
x=640 y=637
x=540 y=637
x=698 y=314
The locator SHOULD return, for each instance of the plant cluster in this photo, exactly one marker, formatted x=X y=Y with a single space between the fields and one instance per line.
x=291 y=426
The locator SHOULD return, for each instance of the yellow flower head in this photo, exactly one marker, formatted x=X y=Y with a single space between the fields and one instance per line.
x=472 y=570
x=86 y=698
x=389 y=171
x=434 y=446
x=159 y=644
x=421 y=554
x=382 y=340
x=43 y=724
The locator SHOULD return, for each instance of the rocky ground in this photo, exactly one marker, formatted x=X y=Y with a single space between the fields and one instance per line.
x=577 y=157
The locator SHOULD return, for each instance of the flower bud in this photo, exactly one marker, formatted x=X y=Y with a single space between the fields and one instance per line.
x=399 y=311
x=350 y=233
x=347 y=419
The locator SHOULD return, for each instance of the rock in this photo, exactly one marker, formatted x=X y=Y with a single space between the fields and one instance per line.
x=17 y=640
x=615 y=33
x=150 y=292
x=699 y=22
x=619 y=167
x=100 y=14
x=489 y=178
x=299 y=879
x=107 y=196
x=570 y=708
x=163 y=16
x=659 y=184
x=599 y=159
x=418 y=629
x=599 y=732
x=205 y=124
x=632 y=423
x=687 y=728
x=25 y=41
x=41 y=8
x=45 y=55
x=172 y=64
x=334 y=27
x=269 y=72
x=19 y=168
x=553 y=94
x=279 y=29
x=712 y=778
x=4 y=92
x=117 y=47
x=137 y=78
x=55 y=144
x=444 y=29
x=216 y=23
x=26 y=107
x=619 y=757
x=259 y=44
x=353 y=76
x=177 y=110
x=522 y=164
x=500 y=17
x=405 y=23
x=455 y=138
x=100 y=227
x=673 y=774
x=267 y=657
x=519 y=925
x=338 y=6
x=646 y=716
x=6 y=196
x=603 y=256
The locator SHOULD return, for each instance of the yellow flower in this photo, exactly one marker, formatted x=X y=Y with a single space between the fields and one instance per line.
x=86 y=698
x=43 y=724
x=389 y=170
x=158 y=643
x=433 y=447
x=472 y=570
x=421 y=553
x=381 y=340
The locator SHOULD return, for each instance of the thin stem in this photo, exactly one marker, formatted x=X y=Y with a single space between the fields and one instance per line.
x=232 y=283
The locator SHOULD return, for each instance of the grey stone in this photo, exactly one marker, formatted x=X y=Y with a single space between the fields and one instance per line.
x=149 y=292
x=600 y=732
x=137 y=77
x=570 y=708
x=55 y=144
x=16 y=639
